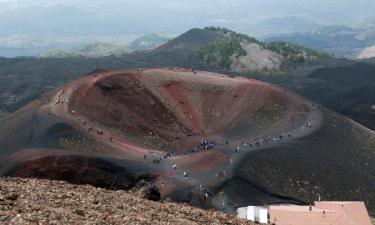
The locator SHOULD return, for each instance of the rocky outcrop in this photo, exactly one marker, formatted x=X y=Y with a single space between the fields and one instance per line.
x=33 y=201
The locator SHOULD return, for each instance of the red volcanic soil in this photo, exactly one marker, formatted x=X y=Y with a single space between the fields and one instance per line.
x=146 y=121
x=203 y=162
x=172 y=110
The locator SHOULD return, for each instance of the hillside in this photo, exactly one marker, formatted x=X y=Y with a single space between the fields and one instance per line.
x=344 y=86
x=95 y=49
x=31 y=201
x=223 y=48
x=341 y=41
x=218 y=47
x=148 y=42
x=193 y=40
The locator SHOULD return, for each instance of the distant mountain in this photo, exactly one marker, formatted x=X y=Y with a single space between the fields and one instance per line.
x=149 y=41
x=95 y=49
x=193 y=40
x=287 y=24
x=367 y=23
x=339 y=40
x=367 y=53
x=223 y=48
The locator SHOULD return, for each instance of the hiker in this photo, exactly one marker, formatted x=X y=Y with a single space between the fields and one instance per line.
x=174 y=166
x=222 y=208
x=110 y=138
x=200 y=188
x=237 y=149
x=207 y=144
x=185 y=175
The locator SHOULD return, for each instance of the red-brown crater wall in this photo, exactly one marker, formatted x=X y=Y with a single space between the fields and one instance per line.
x=172 y=110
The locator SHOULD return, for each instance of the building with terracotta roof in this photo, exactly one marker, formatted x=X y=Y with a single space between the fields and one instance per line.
x=321 y=213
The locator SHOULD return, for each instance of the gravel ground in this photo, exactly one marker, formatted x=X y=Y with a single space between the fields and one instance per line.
x=33 y=201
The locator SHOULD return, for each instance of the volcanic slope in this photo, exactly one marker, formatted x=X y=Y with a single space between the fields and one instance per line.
x=115 y=128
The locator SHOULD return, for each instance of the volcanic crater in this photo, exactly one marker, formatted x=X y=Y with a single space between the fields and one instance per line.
x=115 y=128
x=172 y=110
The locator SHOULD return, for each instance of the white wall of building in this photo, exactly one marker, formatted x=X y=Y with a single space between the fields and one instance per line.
x=242 y=212
x=253 y=213
x=263 y=215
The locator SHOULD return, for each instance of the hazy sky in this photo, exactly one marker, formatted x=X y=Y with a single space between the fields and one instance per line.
x=168 y=16
x=51 y=23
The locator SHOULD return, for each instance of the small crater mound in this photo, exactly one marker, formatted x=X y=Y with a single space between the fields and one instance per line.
x=77 y=170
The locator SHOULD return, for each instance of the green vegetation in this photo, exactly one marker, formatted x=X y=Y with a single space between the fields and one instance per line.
x=220 y=53
x=296 y=53
x=234 y=35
